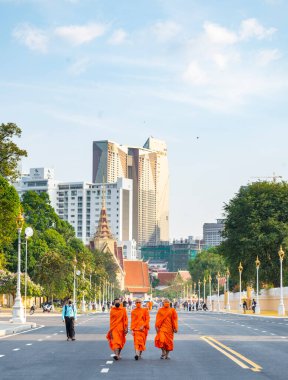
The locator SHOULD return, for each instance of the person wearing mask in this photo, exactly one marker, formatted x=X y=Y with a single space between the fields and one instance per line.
x=166 y=325
x=139 y=326
x=69 y=316
x=116 y=335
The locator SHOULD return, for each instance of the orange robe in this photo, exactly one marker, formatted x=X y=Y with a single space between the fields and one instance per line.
x=166 y=322
x=140 y=317
x=118 y=325
x=150 y=305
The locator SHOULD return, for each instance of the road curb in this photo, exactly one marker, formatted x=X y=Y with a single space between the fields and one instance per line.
x=16 y=329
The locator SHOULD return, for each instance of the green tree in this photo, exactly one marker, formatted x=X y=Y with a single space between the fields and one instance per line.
x=8 y=285
x=9 y=206
x=10 y=153
x=256 y=225
x=208 y=262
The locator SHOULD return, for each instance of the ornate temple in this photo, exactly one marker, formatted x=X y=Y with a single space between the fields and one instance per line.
x=104 y=242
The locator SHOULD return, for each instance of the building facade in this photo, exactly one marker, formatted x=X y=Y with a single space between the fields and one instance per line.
x=79 y=203
x=212 y=233
x=148 y=168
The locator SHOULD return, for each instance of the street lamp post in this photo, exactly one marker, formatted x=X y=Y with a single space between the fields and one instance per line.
x=240 y=268
x=210 y=292
x=83 y=296
x=18 y=310
x=218 y=299
x=28 y=233
x=257 y=308
x=228 y=300
x=90 y=303
x=204 y=288
x=281 y=307
x=199 y=285
x=74 y=282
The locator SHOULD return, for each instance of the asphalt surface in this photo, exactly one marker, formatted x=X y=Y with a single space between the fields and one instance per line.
x=208 y=346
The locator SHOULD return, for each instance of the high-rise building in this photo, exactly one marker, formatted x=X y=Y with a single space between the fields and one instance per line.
x=148 y=168
x=79 y=203
x=212 y=233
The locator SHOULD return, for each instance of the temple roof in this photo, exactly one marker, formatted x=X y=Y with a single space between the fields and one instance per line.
x=103 y=230
x=137 y=276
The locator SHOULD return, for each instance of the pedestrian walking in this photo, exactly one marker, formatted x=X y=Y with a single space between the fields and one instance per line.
x=139 y=326
x=254 y=303
x=244 y=306
x=69 y=316
x=116 y=335
x=166 y=325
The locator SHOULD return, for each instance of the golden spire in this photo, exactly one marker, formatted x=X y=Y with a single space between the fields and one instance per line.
x=103 y=230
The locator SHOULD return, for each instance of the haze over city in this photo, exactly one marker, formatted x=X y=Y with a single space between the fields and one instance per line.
x=210 y=81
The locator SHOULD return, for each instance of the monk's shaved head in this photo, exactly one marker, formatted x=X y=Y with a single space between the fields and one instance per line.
x=166 y=300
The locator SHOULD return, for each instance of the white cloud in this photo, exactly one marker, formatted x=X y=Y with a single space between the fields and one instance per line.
x=252 y=28
x=166 y=30
x=118 y=37
x=80 y=66
x=80 y=34
x=221 y=60
x=34 y=38
x=195 y=74
x=269 y=55
x=219 y=35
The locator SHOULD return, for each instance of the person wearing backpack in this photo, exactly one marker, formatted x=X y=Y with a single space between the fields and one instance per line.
x=69 y=316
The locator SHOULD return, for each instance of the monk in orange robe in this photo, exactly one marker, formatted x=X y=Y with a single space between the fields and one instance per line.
x=150 y=305
x=118 y=328
x=139 y=326
x=166 y=325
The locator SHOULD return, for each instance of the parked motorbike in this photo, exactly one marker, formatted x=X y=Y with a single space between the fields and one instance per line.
x=46 y=307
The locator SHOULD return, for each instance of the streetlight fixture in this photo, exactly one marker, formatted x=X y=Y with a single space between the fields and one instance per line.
x=210 y=291
x=228 y=300
x=28 y=233
x=204 y=286
x=83 y=296
x=257 y=308
x=218 y=300
x=281 y=307
x=240 y=268
x=18 y=310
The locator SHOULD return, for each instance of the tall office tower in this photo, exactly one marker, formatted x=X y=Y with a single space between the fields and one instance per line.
x=148 y=168
x=212 y=233
x=109 y=162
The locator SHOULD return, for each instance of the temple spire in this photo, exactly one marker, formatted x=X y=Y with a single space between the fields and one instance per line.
x=103 y=230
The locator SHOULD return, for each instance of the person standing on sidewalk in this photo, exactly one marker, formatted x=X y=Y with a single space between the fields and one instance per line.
x=69 y=316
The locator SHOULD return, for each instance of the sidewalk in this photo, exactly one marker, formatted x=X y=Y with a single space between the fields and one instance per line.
x=249 y=313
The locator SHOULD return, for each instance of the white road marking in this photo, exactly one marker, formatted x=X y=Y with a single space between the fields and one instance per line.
x=264 y=331
x=16 y=349
x=104 y=370
x=48 y=336
x=28 y=344
x=55 y=334
x=283 y=337
x=1 y=356
x=40 y=340
x=109 y=362
x=272 y=334
x=61 y=331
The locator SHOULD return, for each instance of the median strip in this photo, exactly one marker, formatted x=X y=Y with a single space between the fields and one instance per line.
x=235 y=356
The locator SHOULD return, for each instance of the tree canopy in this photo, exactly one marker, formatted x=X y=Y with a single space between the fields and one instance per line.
x=9 y=206
x=256 y=225
x=207 y=262
x=10 y=153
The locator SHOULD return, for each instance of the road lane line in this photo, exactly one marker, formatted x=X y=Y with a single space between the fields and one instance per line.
x=28 y=344
x=225 y=353
x=22 y=332
x=2 y=356
x=16 y=349
x=255 y=367
x=109 y=362
x=104 y=370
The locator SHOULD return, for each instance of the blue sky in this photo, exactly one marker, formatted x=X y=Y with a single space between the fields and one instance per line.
x=74 y=71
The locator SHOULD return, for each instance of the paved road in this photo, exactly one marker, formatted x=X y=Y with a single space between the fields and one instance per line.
x=208 y=346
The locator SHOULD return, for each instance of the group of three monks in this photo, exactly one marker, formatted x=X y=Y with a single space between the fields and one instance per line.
x=166 y=325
